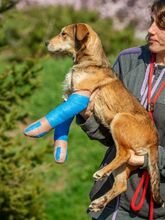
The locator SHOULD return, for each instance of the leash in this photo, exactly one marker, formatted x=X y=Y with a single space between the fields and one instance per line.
x=144 y=182
x=151 y=103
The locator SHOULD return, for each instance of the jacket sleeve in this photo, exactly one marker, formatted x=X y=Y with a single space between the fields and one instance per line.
x=95 y=130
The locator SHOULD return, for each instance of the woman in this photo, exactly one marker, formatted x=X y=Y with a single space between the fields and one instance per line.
x=132 y=66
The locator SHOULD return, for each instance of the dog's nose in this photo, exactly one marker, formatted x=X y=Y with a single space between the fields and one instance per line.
x=46 y=43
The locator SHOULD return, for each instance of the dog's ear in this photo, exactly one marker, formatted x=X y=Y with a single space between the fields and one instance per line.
x=80 y=31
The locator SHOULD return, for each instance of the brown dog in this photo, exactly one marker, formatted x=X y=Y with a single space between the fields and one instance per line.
x=115 y=108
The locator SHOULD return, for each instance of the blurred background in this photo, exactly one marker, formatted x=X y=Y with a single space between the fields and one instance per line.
x=32 y=185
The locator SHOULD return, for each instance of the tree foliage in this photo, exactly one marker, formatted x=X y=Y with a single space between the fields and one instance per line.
x=20 y=166
x=24 y=32
x=7 y=5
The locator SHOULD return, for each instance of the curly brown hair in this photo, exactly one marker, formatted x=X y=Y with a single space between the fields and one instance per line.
x=158 y=10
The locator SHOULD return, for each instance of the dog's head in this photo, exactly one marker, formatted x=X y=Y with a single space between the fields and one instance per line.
x=81 y=41
x=70 y=39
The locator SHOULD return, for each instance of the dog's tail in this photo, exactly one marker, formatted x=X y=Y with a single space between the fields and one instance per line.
x=154 y=174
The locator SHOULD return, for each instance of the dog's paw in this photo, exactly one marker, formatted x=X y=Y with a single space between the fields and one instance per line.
x=98 y=204
x=99 y=175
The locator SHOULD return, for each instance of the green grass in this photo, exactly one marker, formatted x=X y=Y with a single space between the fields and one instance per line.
x=68 y=184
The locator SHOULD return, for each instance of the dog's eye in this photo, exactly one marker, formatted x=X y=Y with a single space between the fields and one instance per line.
x=63 y=34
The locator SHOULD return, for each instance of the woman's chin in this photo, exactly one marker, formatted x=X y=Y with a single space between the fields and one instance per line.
x=154 y=48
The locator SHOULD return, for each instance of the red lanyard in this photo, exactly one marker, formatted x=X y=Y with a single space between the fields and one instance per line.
x=150 y=109
x=152 y=102
x=145 y=176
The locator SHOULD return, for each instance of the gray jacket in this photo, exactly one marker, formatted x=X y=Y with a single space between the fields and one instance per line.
x=130 y=66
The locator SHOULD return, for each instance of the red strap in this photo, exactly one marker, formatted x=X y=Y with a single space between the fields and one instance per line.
x=144 y=181
x=150 y=102
x=150 y=78
x=150 y=84
x=158 y=92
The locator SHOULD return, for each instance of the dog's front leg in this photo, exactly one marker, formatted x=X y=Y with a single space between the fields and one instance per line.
x=74 y=104
x=61 y=141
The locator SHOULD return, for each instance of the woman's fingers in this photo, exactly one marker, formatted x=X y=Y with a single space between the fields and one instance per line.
x=135 y=160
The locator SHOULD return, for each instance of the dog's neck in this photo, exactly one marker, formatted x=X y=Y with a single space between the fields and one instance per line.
x=91 y=53
x=86 y=59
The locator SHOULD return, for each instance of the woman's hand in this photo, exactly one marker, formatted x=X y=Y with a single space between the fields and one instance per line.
x=135 y=160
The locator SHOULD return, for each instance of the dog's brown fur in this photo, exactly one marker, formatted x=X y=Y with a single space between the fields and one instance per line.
x=115 y=107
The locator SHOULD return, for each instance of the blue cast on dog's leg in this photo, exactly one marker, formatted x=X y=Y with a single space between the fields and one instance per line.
x=60 y=141
x=74 y=104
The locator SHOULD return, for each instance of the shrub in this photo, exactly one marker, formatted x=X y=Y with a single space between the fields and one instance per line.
x=20 y=165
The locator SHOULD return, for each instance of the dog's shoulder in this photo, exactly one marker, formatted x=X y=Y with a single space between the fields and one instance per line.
x=73 y=77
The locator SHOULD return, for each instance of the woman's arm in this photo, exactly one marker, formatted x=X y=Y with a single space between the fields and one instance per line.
x=95 y=130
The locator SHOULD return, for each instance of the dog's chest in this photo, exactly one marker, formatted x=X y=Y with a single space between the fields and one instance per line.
x=72 y=79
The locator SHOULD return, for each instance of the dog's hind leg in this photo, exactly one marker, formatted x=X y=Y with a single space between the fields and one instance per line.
x=122 y=156
x=122 y=149
x=120 y=185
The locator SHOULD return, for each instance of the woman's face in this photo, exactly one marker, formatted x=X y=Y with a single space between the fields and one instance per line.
x=156 y=39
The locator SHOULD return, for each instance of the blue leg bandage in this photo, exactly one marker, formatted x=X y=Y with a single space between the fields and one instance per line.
x=61 y=137
x=61 y=131
x=75 y=104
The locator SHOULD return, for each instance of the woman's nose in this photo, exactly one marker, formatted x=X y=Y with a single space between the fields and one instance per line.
x=152 y=29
